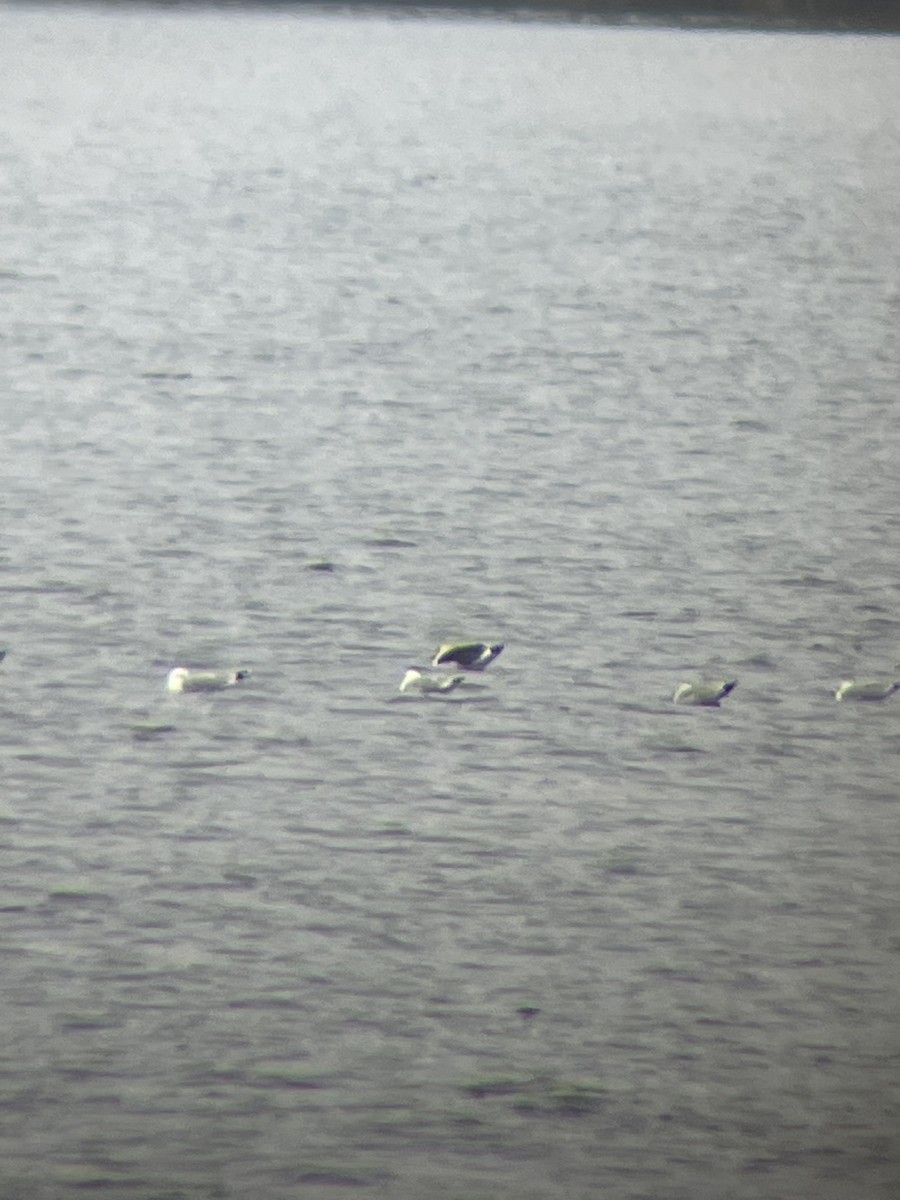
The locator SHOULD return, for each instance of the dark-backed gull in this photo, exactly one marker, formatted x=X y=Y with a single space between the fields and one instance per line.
x=707 y=692
x=471 y=656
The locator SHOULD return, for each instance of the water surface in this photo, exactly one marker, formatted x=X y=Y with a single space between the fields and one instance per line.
x=580 y=339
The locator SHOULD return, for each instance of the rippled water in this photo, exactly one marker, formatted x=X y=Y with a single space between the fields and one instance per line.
x=580 y=339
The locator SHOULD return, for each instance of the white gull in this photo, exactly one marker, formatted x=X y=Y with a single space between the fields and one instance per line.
x=181 y=679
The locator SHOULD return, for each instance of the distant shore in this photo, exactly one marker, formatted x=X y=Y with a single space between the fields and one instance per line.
x=881 y=16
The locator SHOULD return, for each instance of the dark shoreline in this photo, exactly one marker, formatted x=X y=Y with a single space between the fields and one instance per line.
x=835 y=16
x=787 y=16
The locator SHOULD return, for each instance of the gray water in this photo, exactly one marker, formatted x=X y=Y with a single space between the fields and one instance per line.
x=580 y=339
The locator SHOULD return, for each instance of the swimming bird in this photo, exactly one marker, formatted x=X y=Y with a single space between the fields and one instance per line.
x=2 y=655
x=471 y=656
x=707 y=692
x=866 y=689
x=417 y=680
x=180 y=679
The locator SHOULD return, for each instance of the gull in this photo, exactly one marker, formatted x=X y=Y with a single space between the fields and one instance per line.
x=471 y=656
x=866 y=689
x=707 y=692
x=416 y=679
x=180 y=679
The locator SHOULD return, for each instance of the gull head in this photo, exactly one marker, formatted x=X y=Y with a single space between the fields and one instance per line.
x=175 y=679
